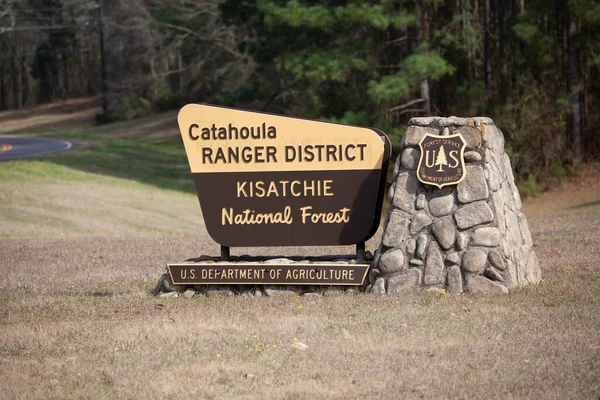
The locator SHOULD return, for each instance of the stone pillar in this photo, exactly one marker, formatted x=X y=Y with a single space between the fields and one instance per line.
x=471 y=236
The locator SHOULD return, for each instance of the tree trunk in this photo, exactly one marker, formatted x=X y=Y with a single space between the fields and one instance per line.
x=573 y=88
x=487 y=66
x=423 y=34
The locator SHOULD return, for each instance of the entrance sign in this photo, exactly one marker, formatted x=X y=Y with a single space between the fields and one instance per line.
x=266 y=274
x=442 y=160
x=268 y=180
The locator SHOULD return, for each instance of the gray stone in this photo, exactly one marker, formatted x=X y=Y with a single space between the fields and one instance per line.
x=446 y=132
x=441 y=206
x=391 y=191
x=473 y=214
x=410 y=158
x=461 y=241
x=493 y=274
x=421 y=121
x=419 y=221
x=404 y=281
x=406 y=191
x=453 y=258
x=189 y=293
x=273 y=291
x=395 y=229
x=420 y=204
x=488 y=236
x=391 y=261
x=454 y=121
x=434 y=265
x=483 y=120
x=510 y=277
x=416 y=263
x=397 y=167
x=525 y=233
x=378 y=286
x=454 y=280
x=495 y=139
x=411 y=246
x=168 y=295
x=481 y=284
x=218 y=292
x=280 y=260
x=496 y=260
x=513 y=230
x=494 y=177
x=421 y=245
x=473 y=187
x=414 y=134
x=474 y=260
x=499 y=212
x=472 y=156
x=444 y=232
x=471 y=135
x=374 y=273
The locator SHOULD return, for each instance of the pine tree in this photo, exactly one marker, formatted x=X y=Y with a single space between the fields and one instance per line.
x=441 y=159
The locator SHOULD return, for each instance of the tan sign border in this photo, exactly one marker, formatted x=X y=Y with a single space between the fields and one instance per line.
x=269 y=266
x=462 y=159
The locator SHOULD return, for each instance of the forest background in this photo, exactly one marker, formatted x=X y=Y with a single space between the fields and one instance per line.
x=531 y=65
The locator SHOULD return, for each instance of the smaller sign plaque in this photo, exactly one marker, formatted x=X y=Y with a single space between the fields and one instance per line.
x=230 y=273
x=442 y=160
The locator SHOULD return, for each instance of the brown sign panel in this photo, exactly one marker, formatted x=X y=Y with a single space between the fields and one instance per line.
x=442 y=160
x=267 y=274
x=268 y=180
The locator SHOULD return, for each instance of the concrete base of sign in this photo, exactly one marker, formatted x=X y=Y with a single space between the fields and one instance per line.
x=260 y=276
x=472 y=236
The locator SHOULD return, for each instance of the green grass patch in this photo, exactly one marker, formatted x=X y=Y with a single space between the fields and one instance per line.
x=160 y=165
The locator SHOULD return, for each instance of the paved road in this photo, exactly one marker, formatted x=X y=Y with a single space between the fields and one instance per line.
x=16 y=147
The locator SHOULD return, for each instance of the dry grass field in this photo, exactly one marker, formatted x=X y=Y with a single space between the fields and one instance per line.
x=81 y=250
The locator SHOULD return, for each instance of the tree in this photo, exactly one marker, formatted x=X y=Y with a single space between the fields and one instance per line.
x=441 y=159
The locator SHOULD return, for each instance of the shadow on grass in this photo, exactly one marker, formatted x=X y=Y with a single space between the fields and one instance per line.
x=163 y=165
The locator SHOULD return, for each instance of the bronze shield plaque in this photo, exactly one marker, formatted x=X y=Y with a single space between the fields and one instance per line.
x=442 y=160
x=269 y=180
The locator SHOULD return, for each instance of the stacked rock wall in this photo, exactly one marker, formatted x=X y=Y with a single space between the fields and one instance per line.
x=471 y=236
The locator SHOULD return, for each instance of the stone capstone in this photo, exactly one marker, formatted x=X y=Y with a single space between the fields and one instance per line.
x=404 y=281
x=471 y=135
x=474 y=260
x=444 y=232
x=414 y=134
x=473 y=214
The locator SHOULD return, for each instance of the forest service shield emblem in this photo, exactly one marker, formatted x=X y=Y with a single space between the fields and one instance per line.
x=442 y=160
